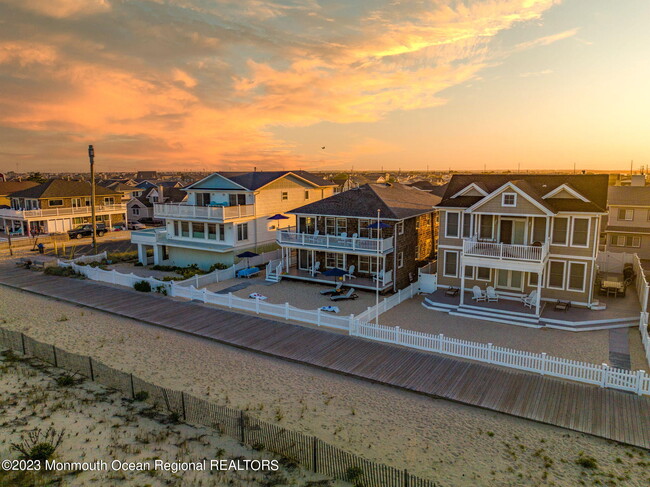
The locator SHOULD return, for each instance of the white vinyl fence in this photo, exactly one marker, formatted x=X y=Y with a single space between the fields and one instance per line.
x=642 y=286
x=390 y=302
x=114 y=277
x=231 y=272
x=602 y=375
x=645 y=338
x=86 y=259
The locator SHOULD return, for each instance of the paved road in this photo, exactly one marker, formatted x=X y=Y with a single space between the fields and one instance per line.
x=113 y=242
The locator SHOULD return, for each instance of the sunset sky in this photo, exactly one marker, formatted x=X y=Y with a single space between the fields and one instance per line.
x=233 y=84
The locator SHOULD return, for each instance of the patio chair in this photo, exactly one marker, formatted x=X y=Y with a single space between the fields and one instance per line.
x=355 y=235
x=314 y=268
x=344 y=234
x=315 y=232
x=349 y=295
x=477 y=294
x=530 y=300
x=335 y=290
x=491 y=295
x=350 y=273
x=381 y=275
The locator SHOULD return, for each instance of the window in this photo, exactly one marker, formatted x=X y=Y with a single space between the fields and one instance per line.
x=486 y=226
x=242 y=231
x=577 y=272
x=556 y=274
x=236 y=199
x=334 y=260
x=135 y=210
x=580 y=237
x=539 y=229
x=451 y=228
x=367 y=264
x=78 y=220
x=202 y=199
x=222 y=232
x=185 y=229
x=625 y=215
x=364 y=231
x=109 y=200
x=560 y=227
x=198 y=230
x=76 y=202
x=400 y=260
x=400 y=228
x=212 y=231
x=451 y=263
x=56 y=202
x=625 y=241
x=533 y=278
x=509 y=199
x=467 y=225
x=469 y=272
x=483 y=273
x=306 y=194
x=285 y=195
x=341 y=225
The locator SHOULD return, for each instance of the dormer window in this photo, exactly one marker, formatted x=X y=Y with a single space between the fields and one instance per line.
x=509 y=199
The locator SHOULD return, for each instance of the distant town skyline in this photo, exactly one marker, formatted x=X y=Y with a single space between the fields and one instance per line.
x=324 y=85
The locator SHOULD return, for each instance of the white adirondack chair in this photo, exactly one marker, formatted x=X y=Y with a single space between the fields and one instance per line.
x=491 y=294
x=477 y=294
x=315 y=267
x=351 y=272
x=530 y=300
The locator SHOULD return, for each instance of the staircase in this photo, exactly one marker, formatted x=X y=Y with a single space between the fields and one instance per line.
x=497 y=315
x=274 y=270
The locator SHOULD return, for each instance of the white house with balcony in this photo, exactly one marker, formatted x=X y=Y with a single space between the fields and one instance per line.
x=59 y=205
x=531 y=239
x=227 y=213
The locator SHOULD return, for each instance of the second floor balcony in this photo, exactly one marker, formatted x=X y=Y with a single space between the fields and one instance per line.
x=505 y=252
x=217 y=213
x=335 y=242
x=63 y=211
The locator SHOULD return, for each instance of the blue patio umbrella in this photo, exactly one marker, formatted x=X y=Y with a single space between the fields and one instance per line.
x=247 y=255
x=380 y=225
x=336 y=272
x=278 y=216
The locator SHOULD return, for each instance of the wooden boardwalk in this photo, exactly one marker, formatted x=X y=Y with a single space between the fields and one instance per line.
x=608 y=413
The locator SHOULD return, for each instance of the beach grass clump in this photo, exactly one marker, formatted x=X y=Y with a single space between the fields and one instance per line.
x=355 y=476
x=126 y=256
x=587 y=462
x=66 y=380
x=61 y=271
x=142 y=286
x=38 y=444
x=141 y=396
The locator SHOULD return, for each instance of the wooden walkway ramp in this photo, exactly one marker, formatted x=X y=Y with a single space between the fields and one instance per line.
x=607 y=413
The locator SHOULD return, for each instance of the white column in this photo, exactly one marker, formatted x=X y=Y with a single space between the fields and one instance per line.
x=142 y=254
x=156 y=254
x=462 y=282
x=539 y=293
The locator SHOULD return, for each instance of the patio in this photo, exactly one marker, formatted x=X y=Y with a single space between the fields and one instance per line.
x=356 y=282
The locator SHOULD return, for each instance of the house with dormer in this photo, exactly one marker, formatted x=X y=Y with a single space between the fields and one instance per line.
x=520 y=233
x=227 y=213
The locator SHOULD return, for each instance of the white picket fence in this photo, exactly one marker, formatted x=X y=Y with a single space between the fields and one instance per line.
x=389 y=302
x=602 y=375
x=231 y=272
x=86 y=259
x=645 y=337
x=114 y=277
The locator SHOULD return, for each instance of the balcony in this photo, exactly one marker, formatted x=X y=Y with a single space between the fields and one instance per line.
x=56 y=212
x=335 y=242
x=477 y=253
x=218 y=213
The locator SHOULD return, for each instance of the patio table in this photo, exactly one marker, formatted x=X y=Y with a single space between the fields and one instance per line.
x=452 y=291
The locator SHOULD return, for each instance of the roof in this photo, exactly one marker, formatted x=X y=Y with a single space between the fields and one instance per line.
x=170 y=195
x=436 y=189
x=629 y=195
x=61 y=188
x=8 y=187
x=396 y=202
x=591 y=186
x=256 y=179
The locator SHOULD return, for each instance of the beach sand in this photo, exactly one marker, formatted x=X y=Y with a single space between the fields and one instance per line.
x=454 y=444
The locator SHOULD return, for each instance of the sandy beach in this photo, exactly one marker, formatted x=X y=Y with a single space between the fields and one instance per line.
x=100 y=426
x=452 y=443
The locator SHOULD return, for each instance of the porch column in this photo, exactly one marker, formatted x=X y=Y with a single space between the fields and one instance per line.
x=539 y=293
x=462 y=283
x=156 y=254
x=142 y=254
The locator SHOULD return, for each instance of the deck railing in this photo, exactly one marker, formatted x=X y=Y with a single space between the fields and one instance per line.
x=81 y=210
x=502 y=251
x=335 y=242
x=179 y=210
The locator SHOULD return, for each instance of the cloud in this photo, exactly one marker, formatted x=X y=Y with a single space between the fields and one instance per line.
x=536 y=73
x=202 y=83
x=547 y=40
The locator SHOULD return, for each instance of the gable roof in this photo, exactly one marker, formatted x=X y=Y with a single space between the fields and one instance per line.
x=8 y=187
x=61 y=188
x=396 y=202
x=591 y=186
x=252 y=181
x=629 y=195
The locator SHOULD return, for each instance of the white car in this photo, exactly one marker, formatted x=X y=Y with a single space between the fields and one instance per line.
x=136 y=226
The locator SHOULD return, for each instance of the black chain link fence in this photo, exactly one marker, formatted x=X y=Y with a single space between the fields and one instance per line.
x=307 y=451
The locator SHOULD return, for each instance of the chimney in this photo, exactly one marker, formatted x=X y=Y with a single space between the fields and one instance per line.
x=161 y=195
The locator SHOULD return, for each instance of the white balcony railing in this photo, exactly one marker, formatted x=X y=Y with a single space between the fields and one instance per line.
x=175 y=210
x=335 y=242
x=53 y=212
x=502 y=251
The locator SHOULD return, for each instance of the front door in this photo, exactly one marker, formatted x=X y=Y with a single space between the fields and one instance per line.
x=305 y=260
x=506 y=231
x=513 y=231
x=511 y=280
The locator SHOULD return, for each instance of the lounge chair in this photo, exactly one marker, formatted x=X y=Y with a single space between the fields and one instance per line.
x=335 y=290
x=530 y=300
x=350 y=273
x=477 y=294
x=491 y=294
x=349 y=295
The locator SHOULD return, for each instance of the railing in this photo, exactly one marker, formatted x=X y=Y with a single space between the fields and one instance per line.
x=540 y=363
x=61 y=211
x=645 y=338
x=502 y=251
x=335 y=242
x=642 y=286
x=167 y=210
x=86 y=259
x=390 y=302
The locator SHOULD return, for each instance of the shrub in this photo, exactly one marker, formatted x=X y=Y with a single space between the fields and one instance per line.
x=161 y=290
x=164 y=268
x=141 y=396
x=142 y=286
x=38 y=445
x=172 y=278
x=60 y=271
x=65 y=380
x=123 y=256
x=354 y=475
x=587 y=462
x=218 y=266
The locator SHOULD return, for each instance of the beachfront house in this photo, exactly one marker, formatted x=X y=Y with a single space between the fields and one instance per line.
x=141 y=208
x=337 y=232
x=227 y=213
x=527 y=236
x=628 y=221
x=58 y=205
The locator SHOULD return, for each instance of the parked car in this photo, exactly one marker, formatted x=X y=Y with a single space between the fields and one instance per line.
x=86 y=230
x=136 y=226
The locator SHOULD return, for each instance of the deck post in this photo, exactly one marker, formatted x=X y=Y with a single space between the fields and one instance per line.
x=543 y=368
x=397 y=340
x=257 y=305
x=639 y=381
x=605 y=373
x=204 y=292
x=286 y=311
x=462 y=283
x=351 y=330
x=538 y=299
x=318 y=317
x=490 y=359
x=230 y=300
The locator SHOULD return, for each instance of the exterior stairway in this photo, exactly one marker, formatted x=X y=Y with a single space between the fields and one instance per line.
x=274 y=270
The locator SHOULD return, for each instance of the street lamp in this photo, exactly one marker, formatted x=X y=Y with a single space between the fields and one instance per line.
x=91 y=157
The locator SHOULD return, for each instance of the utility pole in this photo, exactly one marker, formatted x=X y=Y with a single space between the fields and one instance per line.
x=91 y=156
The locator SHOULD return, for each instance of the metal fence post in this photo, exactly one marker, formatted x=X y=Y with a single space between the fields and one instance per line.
x=56 y=362
x=315 y=454
x=92 y=372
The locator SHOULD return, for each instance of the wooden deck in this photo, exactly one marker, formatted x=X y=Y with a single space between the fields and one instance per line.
x=606 y=413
